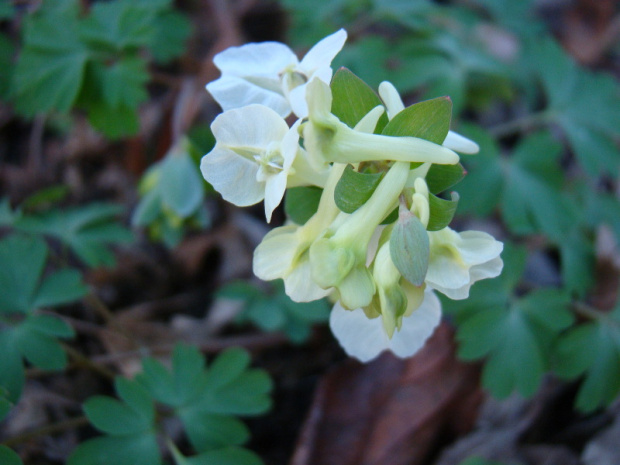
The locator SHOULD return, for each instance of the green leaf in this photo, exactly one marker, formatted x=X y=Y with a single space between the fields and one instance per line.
x=354 y=189
x=115 y=418
x=512 y=334
x=181 y=187
x=136 y=397
x=120 y=450
x=275 y=311
x=49 y=325
x=180 y=387
x=584 y=104
x=5 y=403
x=353 y=99
x=300 y=203
x=113 y=122
x=23 y=260
x=120 y=83
x=208 y=431
x=41 y=350
x=482 y=187
x=8 y=457
x=442 y=177
x=592 y=349
x=169 y=38
x=428 y=120
x=6 y=62
x=528 y=185
x=62 y=287
x=410 y=248
x=11 y=369
x=577 y=260
x=7 y=10
x=531 y=198
x=118 y=26
x=7 y=215
x=441 y=211
x=226 y=456
x=478 y=461
x=50 y=68
x=45 y=197
x=87 y=230
x=204 y=398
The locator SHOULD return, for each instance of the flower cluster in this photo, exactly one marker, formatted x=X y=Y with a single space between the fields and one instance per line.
x=378 y=242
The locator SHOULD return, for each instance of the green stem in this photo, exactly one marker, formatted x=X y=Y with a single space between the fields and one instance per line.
x=47 y=430
x=521 y=124
x=82 y=360
x=591 y=313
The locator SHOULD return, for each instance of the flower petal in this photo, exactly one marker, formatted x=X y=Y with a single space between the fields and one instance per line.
x=299 y=285
x=417 y=328
x=274 y=256
x=359 y=336
x=232 y=92
x=460 y=144
x=253 y=126
x=490 y=269
x=445 y=272
x=391 y=98
x=232 y=176
x=297 y=101
x=324 y=51
x=357 y=288
x=255 y=59
x=274 y=192
x=478 y=247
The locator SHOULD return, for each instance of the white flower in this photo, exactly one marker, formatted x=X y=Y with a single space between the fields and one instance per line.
x=270 y=73
x=327 y=139
x=458 y=260
x=283 y=252
x=252 y=157
x=365 y=338
x=338 y=258
x=395 y=105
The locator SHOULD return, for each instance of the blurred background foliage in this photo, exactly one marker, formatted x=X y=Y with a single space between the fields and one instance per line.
x=542 y=101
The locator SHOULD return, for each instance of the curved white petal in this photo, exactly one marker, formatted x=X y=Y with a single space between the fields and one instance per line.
x=253 y=126
x=417 y=328
x=255 y=59
x=365 y=338
x=444 y=271
x=490 y=269
x=290 y=146
x=369 y=121
x=233 y=176
x=359 y=336
x=391 y=98
x=232 y=92
x=478 y=247
x=274 y=192
x=460 y=143
x=274 y=256
x=457 y=293
x=324 y=51
x=299 y=285
x=297 y=101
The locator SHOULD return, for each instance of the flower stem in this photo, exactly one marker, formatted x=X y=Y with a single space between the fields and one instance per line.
x=591 y=313
x=47 y=430
x=521 y=124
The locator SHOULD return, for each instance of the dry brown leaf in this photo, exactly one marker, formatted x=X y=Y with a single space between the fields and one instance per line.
x=391 y=411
